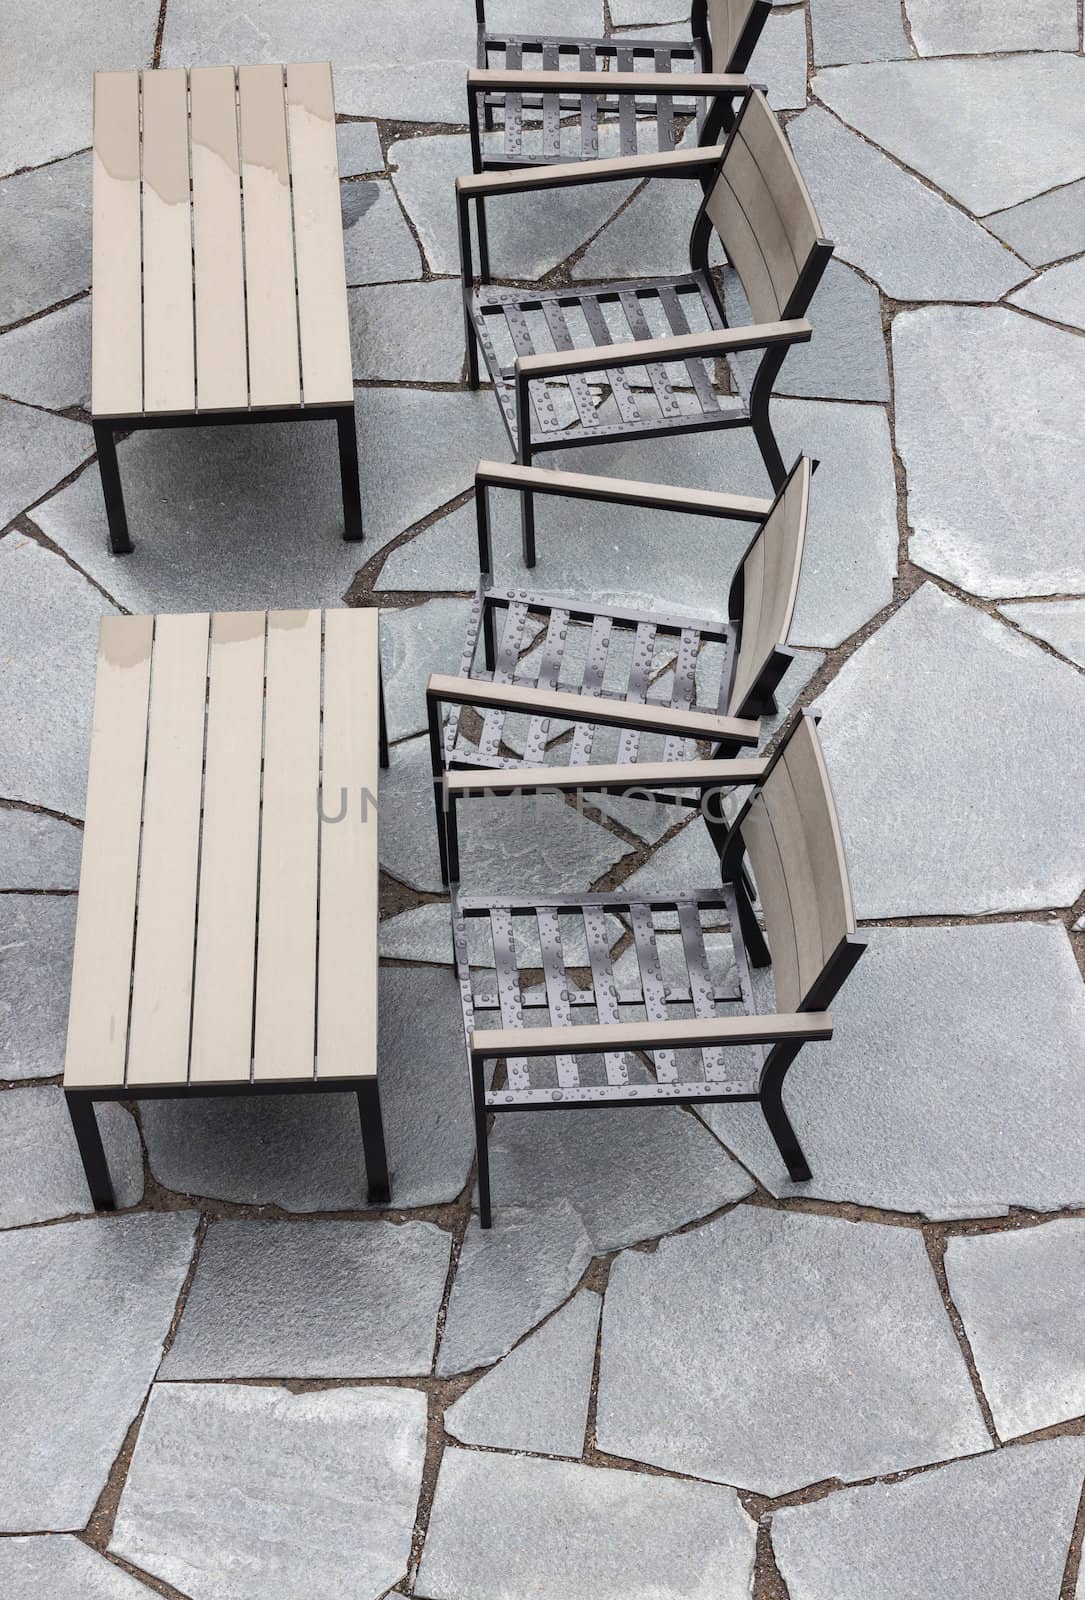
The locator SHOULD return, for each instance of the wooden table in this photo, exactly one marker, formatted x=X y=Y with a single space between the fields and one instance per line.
x=218 y=271
x=226 y=940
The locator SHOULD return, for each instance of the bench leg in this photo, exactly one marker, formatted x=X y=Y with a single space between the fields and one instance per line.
x=376 y=1159
x=106 y=446
x=89 y=1140
x=348 y=472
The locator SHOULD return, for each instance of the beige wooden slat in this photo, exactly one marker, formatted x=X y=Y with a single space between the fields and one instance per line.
x=102 y=963
x=761 y=132
x=222 y=1000
x=326 y=374
x=169 y=853
x=730 y=221
x=781 y=542
x=789 y=827
x=806 y=766
x=753 y=594
x=117 y=321
x=221 y=362
x=169 y=380
x=271 y=302
x=346 y=1035
x=286 y=932
x=772 y=889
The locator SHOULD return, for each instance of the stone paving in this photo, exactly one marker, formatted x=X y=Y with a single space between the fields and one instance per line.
x=667 y=1373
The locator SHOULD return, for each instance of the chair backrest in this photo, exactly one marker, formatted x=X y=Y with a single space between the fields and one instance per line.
x=765 y=219
x=734 y=29
x=791 y=835
x=763 y=593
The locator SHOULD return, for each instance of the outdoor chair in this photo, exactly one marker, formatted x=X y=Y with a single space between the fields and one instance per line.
x=621 y=1034
x=550 y=662
x=637 y=359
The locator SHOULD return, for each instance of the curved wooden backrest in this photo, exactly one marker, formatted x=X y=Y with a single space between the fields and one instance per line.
x=734 y=29
x=762 y=211
x=764 y=592
x=792 y=838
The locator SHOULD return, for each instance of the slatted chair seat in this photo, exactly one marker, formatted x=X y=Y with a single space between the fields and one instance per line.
x=630 y=1031
x=218 y=265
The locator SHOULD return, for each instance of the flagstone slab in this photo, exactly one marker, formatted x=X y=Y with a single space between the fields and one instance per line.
x=37 y=935
x=1059 y=623
x=1000 y=820
x=779 y=60
x=627 y=13
x=844 y=32
x=974 y=27
x=47 y=362
x=510 y=1277
x=41 y=1174
x=951 y=1076
x=237 y=1493
x=38 y=450
x=845 y=359
x=60 y=1565
x=911 y=241
x=958 y=122
x=46 y=215
x=38 y=851
x=1018 y=1294
x=1047 y=228
x=378 y=244
x=999 y=1526
x=304 y=1152
x=987 y=402
x=830 y=1357
x=358 y=146
x=312 y=1300
x=581 y=1531
x=407 y=332
x=1058 y=294
x=415 y=642
x=649 y=238
x=630 y=1173
x=50 y=649
x=536 y=1398
x=87 y=1307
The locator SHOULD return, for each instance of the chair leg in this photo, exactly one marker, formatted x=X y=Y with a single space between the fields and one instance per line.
x=106 y=446
x=89 y=1140
x=766 y=443
x=376 y=1158
x=470 y=342
x=482 y=1149
x=348 y=472
x=750 y=928
x=779 y=1123
x=489 y=637
x=523 y=456
x=452 y=842
x=382 y=733
x=483 y=241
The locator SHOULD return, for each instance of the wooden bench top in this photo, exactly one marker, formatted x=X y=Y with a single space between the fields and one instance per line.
x=226 y=920
x=218 y=270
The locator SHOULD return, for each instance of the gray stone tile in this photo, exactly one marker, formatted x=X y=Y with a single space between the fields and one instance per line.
x=47 y=362
x=948 y=28
x=780 y=60
x=529 y=234
x=506 y=846
x=846 y=359
x=581 y=1531
x=58 y=1564
x=304 y=1153
x=38 y=450
x=833 y=1358
x=509 y=1277
x=913 y=109
x=340 y=1469
x=899 y=232
x=46 y=235
x=87 y=1307
x=415 y=641
x=41 y=1175
x=38 y=851
x=999 y=1526
x=1058 y=294
x=1000 y=821
x=379 y=245
x=1017 y=1293
x=359 y=148
x=422 y=934
x=1060 y=623
x=844 y=32
x=648 y=239
x=407 y=332
x=627 y=13
x=1047 y=228
x=953 y=1062
x=537 y=1397
x=37 y=933
x=312 y=1300
x=985 y=400
x=629 y=1173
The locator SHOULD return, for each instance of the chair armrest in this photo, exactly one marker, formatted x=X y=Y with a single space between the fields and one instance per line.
x=621 y=491
x=589 y=708
x=597 y=1038
x=617 y=83
x=616 y=778
x=679 y=347
x=670 y=164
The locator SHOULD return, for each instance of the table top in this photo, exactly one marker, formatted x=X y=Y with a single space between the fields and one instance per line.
x=218 y=269
x=228 y=892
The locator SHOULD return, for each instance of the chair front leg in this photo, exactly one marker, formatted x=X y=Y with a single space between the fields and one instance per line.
x=482 y=1148
x=523 y=456
x=771 y=1099
x=760 y=395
